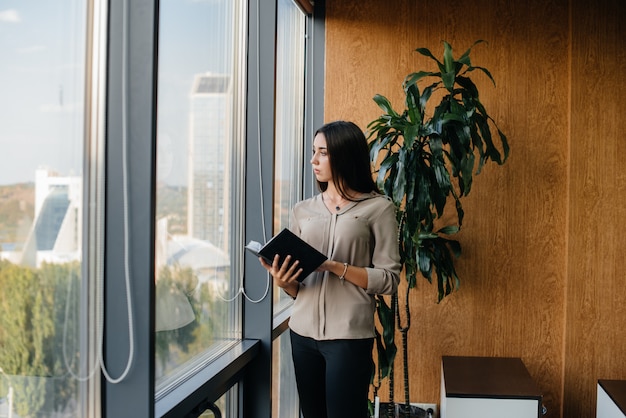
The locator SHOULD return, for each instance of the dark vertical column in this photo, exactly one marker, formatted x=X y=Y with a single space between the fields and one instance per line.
x=255 y=388
x=130 y=195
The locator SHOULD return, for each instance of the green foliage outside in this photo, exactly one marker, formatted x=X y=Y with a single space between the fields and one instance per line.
x=39 y=314
x=36 y=328
x=177 y=346
x=17 y=206
x=39 y=332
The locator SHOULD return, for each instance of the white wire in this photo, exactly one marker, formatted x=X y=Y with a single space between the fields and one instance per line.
x=129 y=305
x=99 y=360
x=258 y=116
x=258 y=113
x=242 y=290
x=260 y=160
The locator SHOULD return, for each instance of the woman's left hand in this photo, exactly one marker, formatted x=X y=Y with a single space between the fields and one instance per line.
x=286 y=274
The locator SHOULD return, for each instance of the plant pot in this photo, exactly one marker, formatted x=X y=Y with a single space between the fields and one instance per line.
x=398 y=410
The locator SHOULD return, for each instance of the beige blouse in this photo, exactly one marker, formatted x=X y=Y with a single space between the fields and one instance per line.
x=362 y=234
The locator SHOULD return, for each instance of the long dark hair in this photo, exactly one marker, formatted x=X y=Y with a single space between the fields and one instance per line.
x=349 y=158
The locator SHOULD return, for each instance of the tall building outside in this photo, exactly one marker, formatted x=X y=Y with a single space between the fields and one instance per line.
x=209 y=159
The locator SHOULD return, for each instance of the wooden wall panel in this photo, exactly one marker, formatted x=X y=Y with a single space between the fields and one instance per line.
x=542 y=263
x=596 y=310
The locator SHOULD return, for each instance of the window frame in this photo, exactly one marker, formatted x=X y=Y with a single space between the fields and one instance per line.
x=131 y=73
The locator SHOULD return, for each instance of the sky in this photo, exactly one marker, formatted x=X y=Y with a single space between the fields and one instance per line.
x=39 y=85
x=42 y=44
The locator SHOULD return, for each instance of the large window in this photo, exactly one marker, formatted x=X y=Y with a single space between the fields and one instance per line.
x=47 y=359
x=124 y=206
x=199 y=185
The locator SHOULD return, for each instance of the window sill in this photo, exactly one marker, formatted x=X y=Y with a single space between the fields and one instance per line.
x=280 y=323
x=212 y=381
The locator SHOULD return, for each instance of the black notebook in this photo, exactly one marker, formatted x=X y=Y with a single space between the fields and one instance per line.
x=287 y=243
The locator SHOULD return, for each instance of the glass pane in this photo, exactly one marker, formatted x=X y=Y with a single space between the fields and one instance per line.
x=285 y=402
x=290 y=56
x=43 y=362
x=199 y=173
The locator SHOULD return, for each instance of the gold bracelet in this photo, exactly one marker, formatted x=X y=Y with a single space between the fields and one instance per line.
x=343 y=275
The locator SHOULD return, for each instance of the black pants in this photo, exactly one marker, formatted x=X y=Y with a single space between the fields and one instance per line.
x=332 y=376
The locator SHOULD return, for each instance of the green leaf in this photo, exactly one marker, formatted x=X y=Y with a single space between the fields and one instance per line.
x=448 y=75
x=383 y=361
x=411 y=166
x=387 y=164
x=453 y=117
x=467 y=168
x=491 y=151
x=448 y=80
x=465 y=57
x=424 y=263
x=399 y=183
x=427 y=92
x=413 y=78
x=426 y=52
x=376 y=145
x=505 y=145
x=413 y=105
x=385 y=344
x=386 y=320
x=423 y=195
x=385 y=105
x=449 y=230
x=442 y=176
x=455 y=247
x=468 y=84
x=448 y=60
x=484 y=70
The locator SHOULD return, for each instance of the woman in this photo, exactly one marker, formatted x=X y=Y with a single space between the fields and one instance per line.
x=332 y=324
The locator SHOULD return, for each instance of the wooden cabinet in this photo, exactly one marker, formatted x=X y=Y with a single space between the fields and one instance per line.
x=488 y=387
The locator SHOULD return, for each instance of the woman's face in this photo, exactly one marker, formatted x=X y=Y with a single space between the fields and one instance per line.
x=320 y=160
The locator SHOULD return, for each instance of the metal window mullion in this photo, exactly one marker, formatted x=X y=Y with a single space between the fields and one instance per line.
x=93 y=205
x=255 y=390
x=133 y=396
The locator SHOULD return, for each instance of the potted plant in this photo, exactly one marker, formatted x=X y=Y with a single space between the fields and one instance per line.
x=425 y=158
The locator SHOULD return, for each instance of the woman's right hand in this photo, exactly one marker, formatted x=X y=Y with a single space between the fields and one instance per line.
x=285 y=275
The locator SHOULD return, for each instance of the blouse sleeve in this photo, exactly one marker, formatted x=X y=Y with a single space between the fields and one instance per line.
x=384 y=275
